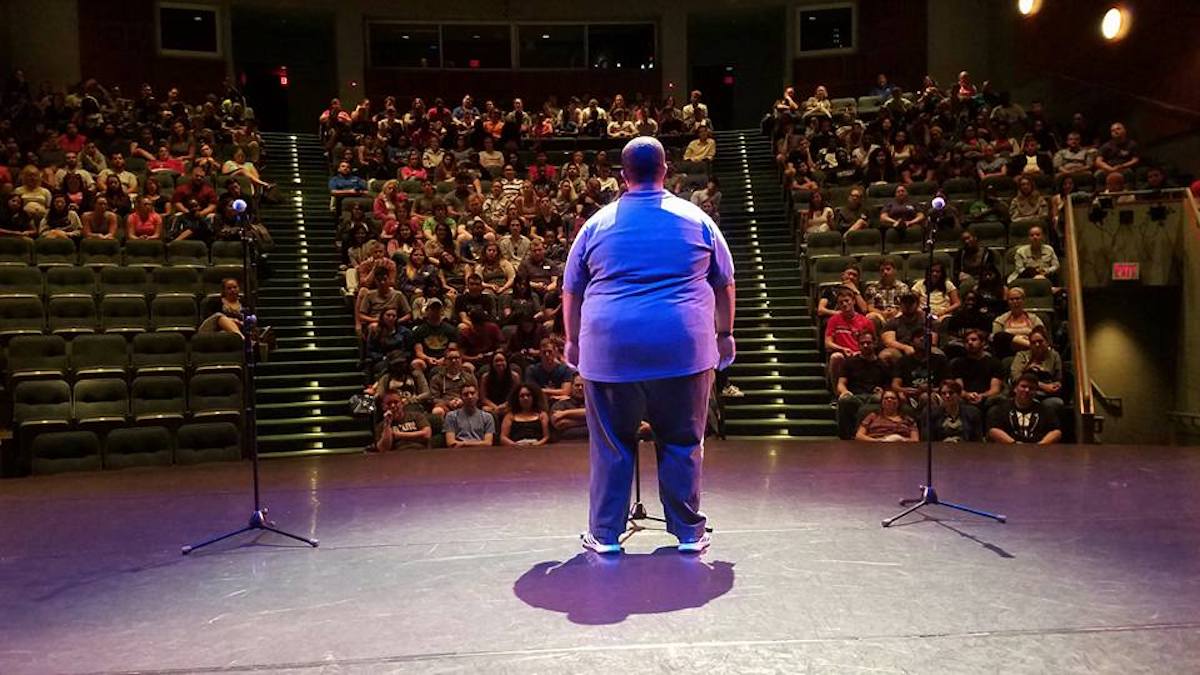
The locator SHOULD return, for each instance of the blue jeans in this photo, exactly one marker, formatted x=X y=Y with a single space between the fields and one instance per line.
x=677 y=410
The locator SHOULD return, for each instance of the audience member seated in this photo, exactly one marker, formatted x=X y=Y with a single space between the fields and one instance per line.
x=827 y=303
x=889 y=423
x=1031 y=161
x=467 y=425
x=899 y=334
x=900 y=213
x=100 y=222
x=374 y=301
x=863 y=378
x=702 y=150
x=883 y=296
x=1075 y=157
x=1028 y=204
x=943 y=297
x=818 y=217
x=433 y=337
x=1046 y=365
x=1035 y=260
x=1118 y=154
x=852 y=216
x=498 y=382
x=197 y=189
x=404 y=427
x=568 y=415
x=989 y=165
x=387 y=338
x=447 y=381
x=527 y=422
x=917 y=373
x=841 y=333
x=1010 y=330
x=229 y=317
x=980 y=374
x=951 y=421
x=61 y=221
x=480 y=337
x=15 y=221
x=144 y=222
x=552 y=376
x=972 y=259
x=1023 y=419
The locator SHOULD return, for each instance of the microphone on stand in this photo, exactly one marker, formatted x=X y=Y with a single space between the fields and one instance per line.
x=937 y=206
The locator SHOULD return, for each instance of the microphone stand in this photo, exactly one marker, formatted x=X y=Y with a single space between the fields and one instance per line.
x=929 y=496
x=258 y=517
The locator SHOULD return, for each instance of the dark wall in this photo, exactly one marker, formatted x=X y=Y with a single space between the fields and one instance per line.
x=501 y=86
x=117 y=45
x=892 y=38
x=1151 y=74
x=266 y=39
x=735 y=58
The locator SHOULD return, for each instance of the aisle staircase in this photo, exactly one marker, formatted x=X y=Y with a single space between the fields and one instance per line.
x=778 y=366
x=303 y=388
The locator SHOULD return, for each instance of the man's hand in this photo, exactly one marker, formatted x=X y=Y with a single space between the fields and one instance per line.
x=571 y=354
x=727 y=348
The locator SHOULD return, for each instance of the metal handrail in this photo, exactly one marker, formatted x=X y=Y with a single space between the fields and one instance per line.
x=1085 y=406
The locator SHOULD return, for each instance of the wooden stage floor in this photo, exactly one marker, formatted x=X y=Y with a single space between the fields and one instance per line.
x=468 y=561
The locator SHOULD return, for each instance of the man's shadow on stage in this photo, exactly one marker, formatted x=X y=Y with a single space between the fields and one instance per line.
x=594 y=590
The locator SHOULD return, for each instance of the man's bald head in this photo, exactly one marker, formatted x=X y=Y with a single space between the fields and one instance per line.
x=644 y=162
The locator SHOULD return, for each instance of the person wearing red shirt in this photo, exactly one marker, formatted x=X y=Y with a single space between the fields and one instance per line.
x=841 y=333
x=199 y=189
x=72 y=140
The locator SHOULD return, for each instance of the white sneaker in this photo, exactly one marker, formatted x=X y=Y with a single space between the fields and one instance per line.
x=592 y=544
x=697 y=546
x=730 y=391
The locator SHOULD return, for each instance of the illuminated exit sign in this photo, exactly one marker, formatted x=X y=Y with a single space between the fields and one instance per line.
x=1125 y=271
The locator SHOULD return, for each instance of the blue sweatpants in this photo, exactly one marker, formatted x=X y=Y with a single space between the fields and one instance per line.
x=677 y=410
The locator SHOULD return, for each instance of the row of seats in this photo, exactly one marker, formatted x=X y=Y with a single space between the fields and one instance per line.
x=108 y=355
x=92 y=252
x=88 y=450
x=74 y=315
x=991 y=234
x=109 y=282
x=111 y=401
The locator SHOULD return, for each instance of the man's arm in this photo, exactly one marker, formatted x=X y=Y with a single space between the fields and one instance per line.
x=572 y=309
x=383 y=442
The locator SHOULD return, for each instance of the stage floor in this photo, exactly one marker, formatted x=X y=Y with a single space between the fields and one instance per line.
x=468 y=561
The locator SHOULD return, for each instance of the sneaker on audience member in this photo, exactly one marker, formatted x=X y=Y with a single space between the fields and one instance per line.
x=731 y=391
x=697 y=546
x=592 y=544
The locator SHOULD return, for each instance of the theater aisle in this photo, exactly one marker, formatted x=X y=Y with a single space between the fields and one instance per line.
x=778 y=366
x=304 y=387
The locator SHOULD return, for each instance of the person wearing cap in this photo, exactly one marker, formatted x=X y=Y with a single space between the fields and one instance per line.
x=899 y=334
x=648 y=306
x=433 y=336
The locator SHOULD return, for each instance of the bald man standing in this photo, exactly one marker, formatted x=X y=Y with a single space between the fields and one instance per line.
x=648 y=304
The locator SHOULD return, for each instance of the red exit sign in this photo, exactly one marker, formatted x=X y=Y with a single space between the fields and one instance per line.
x=1125 y=271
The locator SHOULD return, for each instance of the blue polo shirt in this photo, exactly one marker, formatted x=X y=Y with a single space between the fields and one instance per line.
x=646 y=267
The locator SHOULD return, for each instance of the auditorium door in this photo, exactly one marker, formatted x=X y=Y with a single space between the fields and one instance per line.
x=286 y=63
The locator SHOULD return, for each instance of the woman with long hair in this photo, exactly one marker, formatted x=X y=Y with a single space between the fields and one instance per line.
x=387 y=207
x=818 y=217
x=498 y=274
x=153 y=190
x=100 y=222
x=416 y=273
x=386 y=338
x=527 y=422
x=14 y=221
x=942 y=294
x=453 y=271
x=880 y=168
x=889 y=423
x=144 y=223
x=60 y=220
x=76 y=191
x=497 y=384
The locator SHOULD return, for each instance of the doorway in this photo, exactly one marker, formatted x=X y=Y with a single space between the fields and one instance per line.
x=737 y=61
x=285 y=64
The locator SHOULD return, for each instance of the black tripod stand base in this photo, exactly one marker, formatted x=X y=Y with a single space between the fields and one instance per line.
x=929 y=497
x=258 y=521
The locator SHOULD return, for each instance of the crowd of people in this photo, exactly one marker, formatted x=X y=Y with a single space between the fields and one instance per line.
x=92 y=162
x=454 y=225
x=993 y=367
